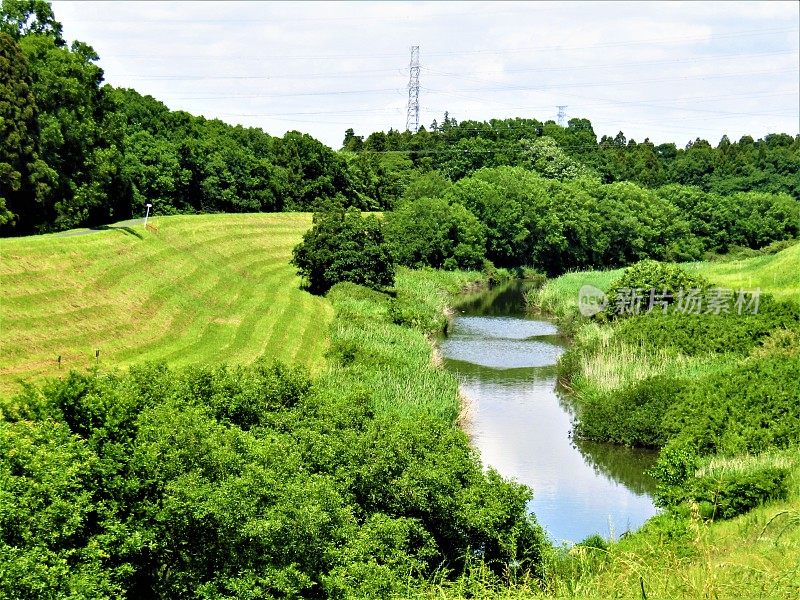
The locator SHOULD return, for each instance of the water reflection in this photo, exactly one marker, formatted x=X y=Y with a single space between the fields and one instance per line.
x=522 y=427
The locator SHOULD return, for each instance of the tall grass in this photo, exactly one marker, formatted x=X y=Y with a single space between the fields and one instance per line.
x=598 y=362
x=721 y=465
x=383 y=342
x=559 y=296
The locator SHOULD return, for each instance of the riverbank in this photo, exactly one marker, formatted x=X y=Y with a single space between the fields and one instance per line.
x=632 y=381
x=261 y=480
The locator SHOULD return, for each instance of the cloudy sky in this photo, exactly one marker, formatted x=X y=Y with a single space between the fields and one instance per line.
x=670 y=71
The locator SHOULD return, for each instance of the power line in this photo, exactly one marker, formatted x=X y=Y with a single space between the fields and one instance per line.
x=516 y=88
x=372 y=56
x=627 y=64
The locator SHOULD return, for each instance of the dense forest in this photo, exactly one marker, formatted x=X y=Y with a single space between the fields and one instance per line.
x=78 y=152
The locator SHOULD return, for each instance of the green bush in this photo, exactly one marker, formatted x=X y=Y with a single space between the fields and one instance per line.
x=647 y=275
x=676 y=465
x=747 y=409
x=726 y=495
x=694 y=334
x=632 y=416
x=722 y=488
x=344 y=246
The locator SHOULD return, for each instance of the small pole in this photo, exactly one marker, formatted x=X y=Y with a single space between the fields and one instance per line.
x=147 y=214
x=97 y=355
x=59 y=361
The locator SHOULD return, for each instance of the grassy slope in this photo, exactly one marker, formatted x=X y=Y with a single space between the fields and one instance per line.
x=776 y=274
x=201 y=289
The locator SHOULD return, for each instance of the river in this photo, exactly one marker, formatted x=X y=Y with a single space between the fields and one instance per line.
x=521 y=424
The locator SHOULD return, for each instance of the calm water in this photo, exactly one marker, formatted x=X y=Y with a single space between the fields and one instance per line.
x=521 y=424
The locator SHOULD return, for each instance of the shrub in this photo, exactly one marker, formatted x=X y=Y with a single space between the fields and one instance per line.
x=728 y=494
x=344 y=246
x=694 y=334
x=750 y=408
x=249 y=482
x=631 y=416
x=676 y=464
x=722 y=488
x=647 y=275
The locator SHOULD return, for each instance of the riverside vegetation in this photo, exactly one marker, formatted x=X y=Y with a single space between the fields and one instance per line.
x=719 y=395
x=214 y=481
x=231 y=482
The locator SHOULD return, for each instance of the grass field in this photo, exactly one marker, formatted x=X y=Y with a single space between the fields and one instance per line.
x=776 y=274
x=201 y=289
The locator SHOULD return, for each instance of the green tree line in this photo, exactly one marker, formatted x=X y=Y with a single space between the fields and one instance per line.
x=78 y=152
x=514 y=217
x=770 y=164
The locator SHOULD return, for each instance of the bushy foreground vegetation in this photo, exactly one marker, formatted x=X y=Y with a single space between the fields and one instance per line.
x=232 y=482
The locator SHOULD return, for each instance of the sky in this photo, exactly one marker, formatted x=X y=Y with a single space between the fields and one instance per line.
x=667 y=71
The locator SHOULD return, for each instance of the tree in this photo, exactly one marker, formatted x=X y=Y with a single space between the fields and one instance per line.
x=426 y=185
x=314 y=171
x=434 y=232
x=24 y=178
x=544 y=156
x=506 y=228
x=152 y=166
x=344 y=246
x=352 y=142
x=80 y=137
x=19 y=18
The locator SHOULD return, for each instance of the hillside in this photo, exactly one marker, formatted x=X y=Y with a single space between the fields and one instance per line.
x=774 y=274
x=202 y=289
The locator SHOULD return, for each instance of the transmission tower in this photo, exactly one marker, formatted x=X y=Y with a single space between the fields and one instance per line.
x=562 y=114
x=412 y=116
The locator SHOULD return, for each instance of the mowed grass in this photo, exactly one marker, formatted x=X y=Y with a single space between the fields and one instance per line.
x=777 y=274
x=203 y=289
